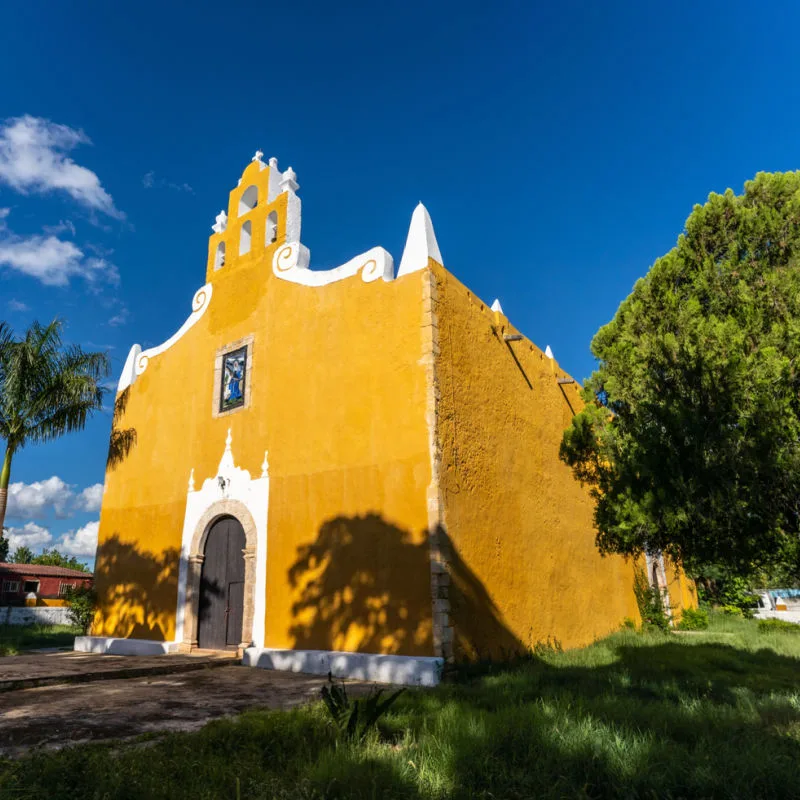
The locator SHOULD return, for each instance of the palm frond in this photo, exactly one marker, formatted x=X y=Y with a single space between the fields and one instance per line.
x=46 y=389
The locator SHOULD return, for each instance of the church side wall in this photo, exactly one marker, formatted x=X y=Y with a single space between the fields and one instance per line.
x=337 y=397
x=523 y=566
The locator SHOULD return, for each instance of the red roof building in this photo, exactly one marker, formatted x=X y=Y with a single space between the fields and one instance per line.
x=48 y=583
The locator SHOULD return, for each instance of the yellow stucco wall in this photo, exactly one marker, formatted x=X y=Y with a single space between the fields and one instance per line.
x=334 y=383
x=341 y=395
x=524 y=565
x=682 y=590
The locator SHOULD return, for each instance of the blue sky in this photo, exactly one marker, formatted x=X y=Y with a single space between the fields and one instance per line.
x=559 y=148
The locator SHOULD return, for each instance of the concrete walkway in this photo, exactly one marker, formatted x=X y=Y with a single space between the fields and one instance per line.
x=46 y=669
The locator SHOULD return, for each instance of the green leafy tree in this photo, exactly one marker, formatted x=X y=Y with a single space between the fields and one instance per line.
x=4 y=544
x=82 y=602
x=55 y=559
x=46 y=390
x=690 y=438
x=22 y=555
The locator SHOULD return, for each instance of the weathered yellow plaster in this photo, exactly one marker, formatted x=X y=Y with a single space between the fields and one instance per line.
x=524 y=566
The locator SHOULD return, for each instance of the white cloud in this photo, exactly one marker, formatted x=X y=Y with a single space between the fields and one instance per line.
x=120 y=318
x=81 y=543
x=35 y=499
x=149 y=181
x=53 y=261
x=29 y=535
x=33 y=159
x=63 y=225
x=17 y=305
x=91 y=498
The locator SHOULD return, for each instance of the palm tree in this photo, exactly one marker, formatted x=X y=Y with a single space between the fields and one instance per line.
x=46 y=390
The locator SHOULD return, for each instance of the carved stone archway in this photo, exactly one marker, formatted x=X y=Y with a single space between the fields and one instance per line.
x=222 y=508
x=229 y=493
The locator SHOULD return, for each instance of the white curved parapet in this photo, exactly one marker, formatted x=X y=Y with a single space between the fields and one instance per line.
x=290 y=263
x=137 y=360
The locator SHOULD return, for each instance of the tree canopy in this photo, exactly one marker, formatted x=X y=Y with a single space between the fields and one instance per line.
x=690 y=439
x=46 y=390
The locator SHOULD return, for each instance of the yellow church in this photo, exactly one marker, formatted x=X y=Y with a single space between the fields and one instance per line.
x=351 y=470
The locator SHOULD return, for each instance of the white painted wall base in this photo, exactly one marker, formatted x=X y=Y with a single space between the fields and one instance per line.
x=410 y=670
x=787 y=616
x=123 y=647
x=34 y=615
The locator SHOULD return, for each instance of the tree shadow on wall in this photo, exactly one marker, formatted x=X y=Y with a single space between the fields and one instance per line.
x=136 y=590
x=122 y=440
x=365 y=585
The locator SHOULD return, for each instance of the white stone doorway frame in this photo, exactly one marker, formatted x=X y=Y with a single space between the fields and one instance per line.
x=230 y=493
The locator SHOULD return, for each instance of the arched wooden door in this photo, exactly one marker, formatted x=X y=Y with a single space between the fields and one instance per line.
x=222 y=587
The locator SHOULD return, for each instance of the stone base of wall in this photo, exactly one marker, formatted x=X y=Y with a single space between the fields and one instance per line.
x=409 y=670
x=124 y=647
x=34 y=615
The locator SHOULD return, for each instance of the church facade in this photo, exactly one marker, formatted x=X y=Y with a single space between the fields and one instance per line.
x=353 y=469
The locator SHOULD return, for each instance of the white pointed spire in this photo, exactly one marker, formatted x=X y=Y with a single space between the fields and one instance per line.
x=548 y=352
x=497 y=307
x=226 y=462
x=258 y=156
x=191 y=480
x=421 y=243
x=265 y=466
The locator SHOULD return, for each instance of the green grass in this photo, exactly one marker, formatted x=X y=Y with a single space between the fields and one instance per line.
x=708 y=714
x=15 y=639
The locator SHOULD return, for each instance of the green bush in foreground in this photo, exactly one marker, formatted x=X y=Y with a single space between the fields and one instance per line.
x=650 y=602
x=82 y=602
x=731 y=611
x=636 y=715
x=693 y=619
x=778 y=626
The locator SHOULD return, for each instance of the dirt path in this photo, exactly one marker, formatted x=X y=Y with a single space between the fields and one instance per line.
x=65 y=714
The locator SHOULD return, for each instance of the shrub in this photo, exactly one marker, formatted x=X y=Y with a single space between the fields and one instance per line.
x=650 y=603
x=629 y=624
x=355 y=718
x=777 y=626
x=82 y=601
x=693 y=619
x=732 y=611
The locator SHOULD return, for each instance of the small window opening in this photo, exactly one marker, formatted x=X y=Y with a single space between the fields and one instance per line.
x=30 y=586
x=248 y=201
x=219 y=259
x=244 y=238
x=272 y=228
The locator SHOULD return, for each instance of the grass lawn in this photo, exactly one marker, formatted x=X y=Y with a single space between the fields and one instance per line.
x=16 y=639
x=714 y=714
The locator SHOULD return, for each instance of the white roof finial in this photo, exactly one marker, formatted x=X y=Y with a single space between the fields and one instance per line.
x=265 y=467
x=497 y=307
x=289 y=181
x=226 y=462
x=221 y=223
x=258 y=156
x=421 y=243
x=191 y=480
x=548 y=352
